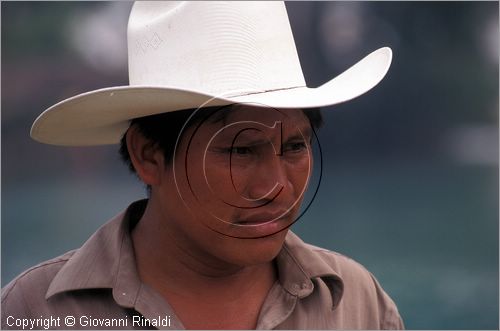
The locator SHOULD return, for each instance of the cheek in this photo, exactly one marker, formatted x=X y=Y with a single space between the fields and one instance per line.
x=205 y=185
x=240 y=177
x=298 y=170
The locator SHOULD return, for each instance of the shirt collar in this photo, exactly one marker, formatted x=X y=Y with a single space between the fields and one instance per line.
x=107 y=260
x=301 y=265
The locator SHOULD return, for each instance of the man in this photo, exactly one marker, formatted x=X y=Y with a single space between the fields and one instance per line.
x=218 y=123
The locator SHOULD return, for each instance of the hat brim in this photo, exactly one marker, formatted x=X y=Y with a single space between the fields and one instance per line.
x=102 y=116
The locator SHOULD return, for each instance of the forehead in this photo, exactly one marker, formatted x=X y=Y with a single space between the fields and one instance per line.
x=225 y=124
x=263 y=115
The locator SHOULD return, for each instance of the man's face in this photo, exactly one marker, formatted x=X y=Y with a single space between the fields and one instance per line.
x=237 y=182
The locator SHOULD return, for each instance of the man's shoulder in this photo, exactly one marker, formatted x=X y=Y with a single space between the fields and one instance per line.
x=344 y=266
x=357 y=287
x=32 y=284
x=322 y=260
x=356 y=278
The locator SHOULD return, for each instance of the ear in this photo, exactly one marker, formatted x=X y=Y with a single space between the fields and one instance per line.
x=146 y=157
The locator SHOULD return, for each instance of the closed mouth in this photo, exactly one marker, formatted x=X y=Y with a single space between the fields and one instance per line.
x=261 y=219
x=254 y=222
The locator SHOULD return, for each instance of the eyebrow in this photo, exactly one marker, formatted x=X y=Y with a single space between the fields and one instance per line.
x=304 y=133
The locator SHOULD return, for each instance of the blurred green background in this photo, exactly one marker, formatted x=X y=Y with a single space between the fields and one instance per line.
x=410 y=173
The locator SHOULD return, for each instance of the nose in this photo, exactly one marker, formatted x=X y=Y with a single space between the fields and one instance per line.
x=270 y=181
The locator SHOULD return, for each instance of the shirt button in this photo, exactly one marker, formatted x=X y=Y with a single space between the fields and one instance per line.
x=124 y=293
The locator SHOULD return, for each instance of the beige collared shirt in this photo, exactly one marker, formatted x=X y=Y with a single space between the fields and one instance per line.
x=97 y=287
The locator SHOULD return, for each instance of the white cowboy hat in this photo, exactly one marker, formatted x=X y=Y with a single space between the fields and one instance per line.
x=185 y=55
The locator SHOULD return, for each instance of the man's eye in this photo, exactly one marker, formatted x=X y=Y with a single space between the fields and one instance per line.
x=296 y=147
x=240 y=150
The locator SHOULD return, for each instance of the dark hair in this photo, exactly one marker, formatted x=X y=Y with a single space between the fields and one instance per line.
x=164 y=129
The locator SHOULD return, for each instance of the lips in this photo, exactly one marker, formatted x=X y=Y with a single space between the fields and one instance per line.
x=261 y=218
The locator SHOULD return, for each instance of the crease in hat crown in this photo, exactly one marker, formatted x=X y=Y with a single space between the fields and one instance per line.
x=224 y=48
x=187 y=54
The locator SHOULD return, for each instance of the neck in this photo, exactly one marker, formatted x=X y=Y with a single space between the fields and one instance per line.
x=171 y=265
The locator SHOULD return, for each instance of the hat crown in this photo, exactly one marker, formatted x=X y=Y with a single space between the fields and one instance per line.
x=224 y=48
